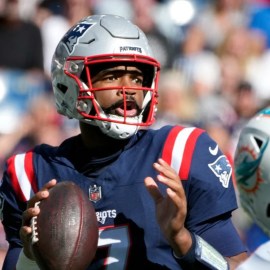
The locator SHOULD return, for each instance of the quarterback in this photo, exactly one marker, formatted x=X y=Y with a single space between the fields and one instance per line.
x=163 y=198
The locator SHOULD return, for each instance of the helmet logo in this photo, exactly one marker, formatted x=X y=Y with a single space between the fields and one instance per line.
x=248 y=172
x=73 y=35
x=222 y=169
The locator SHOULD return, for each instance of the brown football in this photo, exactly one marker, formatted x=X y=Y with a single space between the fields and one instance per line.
x=65 y=233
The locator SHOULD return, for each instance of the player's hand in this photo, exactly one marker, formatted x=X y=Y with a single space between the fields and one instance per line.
x=171 y=209
x=31 y=211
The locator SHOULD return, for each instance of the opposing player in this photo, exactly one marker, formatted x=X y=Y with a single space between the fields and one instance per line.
x=253 y=181
x=163 y=198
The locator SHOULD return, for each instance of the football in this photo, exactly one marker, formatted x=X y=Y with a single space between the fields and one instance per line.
x=65 y=233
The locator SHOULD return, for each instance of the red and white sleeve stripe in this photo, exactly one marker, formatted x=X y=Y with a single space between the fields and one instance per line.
x=179 y=147
x=22 y=175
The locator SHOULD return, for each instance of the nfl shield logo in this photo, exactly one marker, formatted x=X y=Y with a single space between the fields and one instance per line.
x=95 y=193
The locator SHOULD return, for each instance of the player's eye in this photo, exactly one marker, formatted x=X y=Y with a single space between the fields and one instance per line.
x=138 y=80
x=112 y=77
x=106 y=78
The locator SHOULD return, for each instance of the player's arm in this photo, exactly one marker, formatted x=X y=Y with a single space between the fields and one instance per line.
x=201 y=255
x=26 y=258
x=190 y=250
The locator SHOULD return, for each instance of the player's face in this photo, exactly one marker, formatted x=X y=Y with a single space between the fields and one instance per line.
x=124 y=79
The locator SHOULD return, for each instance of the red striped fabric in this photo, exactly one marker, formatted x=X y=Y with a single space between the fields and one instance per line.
x=22 y=175
x=179 y=147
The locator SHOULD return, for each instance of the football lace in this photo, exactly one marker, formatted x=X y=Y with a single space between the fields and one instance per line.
x=33 y=224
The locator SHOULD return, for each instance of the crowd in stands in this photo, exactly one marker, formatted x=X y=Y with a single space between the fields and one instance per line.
x=215 y=68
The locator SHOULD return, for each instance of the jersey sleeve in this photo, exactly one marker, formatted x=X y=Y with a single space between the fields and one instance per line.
x=204 y=170
x=17 y=186
x=206 y=175
x=209 y=186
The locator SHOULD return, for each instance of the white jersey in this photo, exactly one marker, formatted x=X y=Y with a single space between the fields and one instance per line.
x=260 y=259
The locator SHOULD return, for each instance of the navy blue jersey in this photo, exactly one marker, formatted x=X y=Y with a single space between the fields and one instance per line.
x=130 y=237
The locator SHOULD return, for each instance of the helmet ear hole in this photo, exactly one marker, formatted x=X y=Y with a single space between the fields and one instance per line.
x=62 y=88
x=259 y=142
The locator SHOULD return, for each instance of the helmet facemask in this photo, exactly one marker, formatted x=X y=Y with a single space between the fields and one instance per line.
x=82 y=71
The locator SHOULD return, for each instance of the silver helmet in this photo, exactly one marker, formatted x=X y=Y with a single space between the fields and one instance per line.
x=95 y=41
x=252 y=170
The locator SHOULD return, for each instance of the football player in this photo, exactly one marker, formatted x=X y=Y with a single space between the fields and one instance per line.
x=163 y=198
x=253 y=182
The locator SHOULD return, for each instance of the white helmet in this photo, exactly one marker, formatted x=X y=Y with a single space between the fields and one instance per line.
x=95 y=41
x=252 y=169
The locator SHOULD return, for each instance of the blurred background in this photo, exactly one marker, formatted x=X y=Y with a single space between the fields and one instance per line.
x=215 y=58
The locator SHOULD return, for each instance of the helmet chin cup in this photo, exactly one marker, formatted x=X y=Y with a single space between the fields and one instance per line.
x=119 y=131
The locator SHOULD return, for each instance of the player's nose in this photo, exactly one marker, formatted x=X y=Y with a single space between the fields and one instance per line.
x=127 y=86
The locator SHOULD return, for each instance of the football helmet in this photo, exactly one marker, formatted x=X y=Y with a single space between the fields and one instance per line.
x=252 y=170
x=92 y=43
